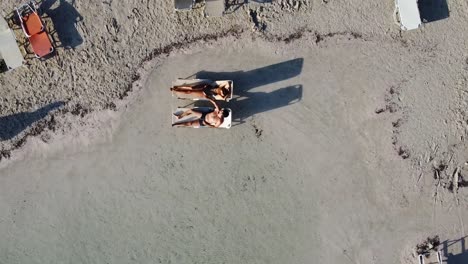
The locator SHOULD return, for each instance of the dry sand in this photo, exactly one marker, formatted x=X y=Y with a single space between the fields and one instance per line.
x=348 y=144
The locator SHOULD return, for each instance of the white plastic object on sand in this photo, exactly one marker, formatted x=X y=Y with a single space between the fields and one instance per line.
x=408 y=13
x=9 y=50
x=181 y=5
x=439 y=258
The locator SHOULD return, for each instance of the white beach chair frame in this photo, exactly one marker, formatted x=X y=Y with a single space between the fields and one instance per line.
x=226 y=123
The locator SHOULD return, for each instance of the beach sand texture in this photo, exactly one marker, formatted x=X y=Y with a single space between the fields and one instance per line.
x=347 y=146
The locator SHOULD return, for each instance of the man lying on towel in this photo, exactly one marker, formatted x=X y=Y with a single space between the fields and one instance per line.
x=212 y=118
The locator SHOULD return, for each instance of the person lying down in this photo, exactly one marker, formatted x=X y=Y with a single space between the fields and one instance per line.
x=205 y=90
x=213 y=118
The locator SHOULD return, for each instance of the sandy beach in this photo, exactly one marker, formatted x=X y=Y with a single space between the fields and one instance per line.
x=348 y=142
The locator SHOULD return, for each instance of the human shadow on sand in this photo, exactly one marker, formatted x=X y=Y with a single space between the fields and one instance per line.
x=247 y=103
x=65 y=17
x=3 y=66
x=457 y=245
x=252 y=103
x=12 y=125
x=433 y=10
x=246 y=80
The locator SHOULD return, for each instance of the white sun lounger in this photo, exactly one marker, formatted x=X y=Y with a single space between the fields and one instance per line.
x=9 y=50
x=439 y=258
x=214 y=8
x=193 y=82
x=226 y=124
x=408 y=12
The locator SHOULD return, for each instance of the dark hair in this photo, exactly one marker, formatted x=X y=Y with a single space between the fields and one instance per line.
x=225 y=113
x=225 y=91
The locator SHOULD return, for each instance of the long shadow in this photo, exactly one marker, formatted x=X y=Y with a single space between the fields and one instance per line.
x=433 y=10
x=252 y=103
x=12 y=125
x=65 y=18
x=247 y=103
x=3 y=66
x=246 y=80
x=457 y=258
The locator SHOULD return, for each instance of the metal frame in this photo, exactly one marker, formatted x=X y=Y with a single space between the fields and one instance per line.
x=33 y=9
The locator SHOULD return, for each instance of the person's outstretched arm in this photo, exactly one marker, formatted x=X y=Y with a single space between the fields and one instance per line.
x=214 y=104
x=209 y=96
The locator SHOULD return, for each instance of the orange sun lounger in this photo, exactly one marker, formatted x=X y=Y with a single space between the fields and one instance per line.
x=34 y=29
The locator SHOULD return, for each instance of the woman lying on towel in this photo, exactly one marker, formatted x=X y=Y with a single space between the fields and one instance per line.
x=212 y=118
x=205 y=90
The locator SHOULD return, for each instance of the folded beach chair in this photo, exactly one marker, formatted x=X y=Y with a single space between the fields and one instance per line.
x=226 y=124
x=183 y=4
x=195 y=82
x=9 y=51
x=408 y=12
x=214 y=8
x=34 y=29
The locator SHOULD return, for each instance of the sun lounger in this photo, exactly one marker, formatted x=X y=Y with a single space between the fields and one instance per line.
x=31 y=23
x=183 y=4
x=408 y=12
x=34 y=29
x=226 y=124
x=439 y=258
x=214 y=8
x=194 y=82
x=421 y=259
x=41 y=44
x=9 y=51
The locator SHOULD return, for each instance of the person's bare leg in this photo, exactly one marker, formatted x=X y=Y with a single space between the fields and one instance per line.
x=197 y=93
x=195 y=123
x=182 y=89
x=189 y=88
x=183 y=114
x=189 y=112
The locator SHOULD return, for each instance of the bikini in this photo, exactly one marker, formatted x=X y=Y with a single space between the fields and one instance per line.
x=202 y=120
x=208 y=90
